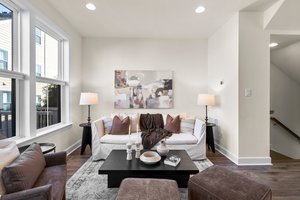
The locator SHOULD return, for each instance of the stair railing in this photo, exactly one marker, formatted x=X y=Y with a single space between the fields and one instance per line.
x=276 y=121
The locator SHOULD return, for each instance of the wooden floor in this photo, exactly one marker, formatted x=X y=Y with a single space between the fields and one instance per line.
x=283 y=176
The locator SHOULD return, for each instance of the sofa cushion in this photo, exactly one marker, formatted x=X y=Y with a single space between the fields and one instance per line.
x=120 y=139
x=56 y=176
x=23 y=172
x=8 y=153
x=181 y=139
x=173 y=124
x=120 y=127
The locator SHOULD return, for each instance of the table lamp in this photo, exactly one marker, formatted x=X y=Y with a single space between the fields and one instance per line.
x=88 y=98
x=206 y=100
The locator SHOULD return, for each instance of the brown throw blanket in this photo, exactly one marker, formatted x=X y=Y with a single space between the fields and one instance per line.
x=152 y=127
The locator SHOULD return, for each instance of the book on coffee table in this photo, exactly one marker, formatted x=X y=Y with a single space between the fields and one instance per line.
x=172 y=160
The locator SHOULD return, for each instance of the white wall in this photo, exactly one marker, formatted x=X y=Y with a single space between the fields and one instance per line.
x=186 y=58
x=254 y=73
x=238 y=55
x=67 y=137
x=285 y=101
x=223 y=66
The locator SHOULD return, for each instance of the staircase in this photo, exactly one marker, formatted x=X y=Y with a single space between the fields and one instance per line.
x=284 y=140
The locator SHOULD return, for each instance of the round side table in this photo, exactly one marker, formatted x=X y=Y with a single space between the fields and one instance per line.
x=46 y=147
x=86 y=136
x=210 y=136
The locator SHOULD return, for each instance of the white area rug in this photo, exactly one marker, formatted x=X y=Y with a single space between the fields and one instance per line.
x=87 y=184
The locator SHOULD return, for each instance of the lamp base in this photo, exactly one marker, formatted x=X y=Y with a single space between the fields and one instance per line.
x=206 y=118
x=89 y=113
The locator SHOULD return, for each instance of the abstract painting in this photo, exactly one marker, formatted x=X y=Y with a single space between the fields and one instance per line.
x=143 y=89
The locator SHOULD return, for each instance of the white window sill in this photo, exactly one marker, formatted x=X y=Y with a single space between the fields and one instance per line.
x=40 y=134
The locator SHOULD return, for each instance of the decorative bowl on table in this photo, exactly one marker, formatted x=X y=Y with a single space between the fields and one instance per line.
x=150 y=157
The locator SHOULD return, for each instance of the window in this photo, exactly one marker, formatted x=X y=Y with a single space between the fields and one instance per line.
x=38 y=70
x=6 y=37
x=48 y=105
x=47 y=54
x=48 y=87
x=19 y=112
x=38 y=37
x=3 y=59
x=7 y=107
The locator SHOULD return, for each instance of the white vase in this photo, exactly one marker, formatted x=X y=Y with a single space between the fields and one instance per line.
x=162 y=148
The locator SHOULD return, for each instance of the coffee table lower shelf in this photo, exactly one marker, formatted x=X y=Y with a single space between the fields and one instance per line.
x=118 y=168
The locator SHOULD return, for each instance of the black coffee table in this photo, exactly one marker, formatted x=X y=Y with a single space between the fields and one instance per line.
x=117 y=168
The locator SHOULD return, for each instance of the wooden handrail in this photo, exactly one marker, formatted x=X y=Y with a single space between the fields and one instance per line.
x=285 y=127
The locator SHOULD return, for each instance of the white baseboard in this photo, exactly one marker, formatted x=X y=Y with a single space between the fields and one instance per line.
x=227 y=153
x=73 y=147
x=254 y=161
x=241 y=161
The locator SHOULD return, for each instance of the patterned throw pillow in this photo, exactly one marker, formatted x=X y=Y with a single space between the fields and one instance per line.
x=107 y=123
x=172 y=124
x=120 y=127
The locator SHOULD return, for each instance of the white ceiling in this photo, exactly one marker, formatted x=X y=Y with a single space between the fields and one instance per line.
x=148 y=18
x=284 y=40
x=286 y=55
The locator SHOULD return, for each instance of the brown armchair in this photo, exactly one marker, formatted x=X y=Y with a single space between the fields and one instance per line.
x=34 y=177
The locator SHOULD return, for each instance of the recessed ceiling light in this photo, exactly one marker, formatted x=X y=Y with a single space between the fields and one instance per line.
x=90 y=6
x=200 y=9
x=273 y=44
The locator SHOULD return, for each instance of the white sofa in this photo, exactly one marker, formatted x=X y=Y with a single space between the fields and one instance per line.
x=193 y=142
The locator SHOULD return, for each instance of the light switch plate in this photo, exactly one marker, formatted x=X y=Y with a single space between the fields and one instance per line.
x=248 y=92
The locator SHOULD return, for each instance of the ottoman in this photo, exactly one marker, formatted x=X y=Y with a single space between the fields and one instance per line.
x=219 y=183
x=148 y=189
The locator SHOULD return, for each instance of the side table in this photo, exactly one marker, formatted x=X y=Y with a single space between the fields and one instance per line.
x=45 y=147
x=86 y=136
x=210 y=136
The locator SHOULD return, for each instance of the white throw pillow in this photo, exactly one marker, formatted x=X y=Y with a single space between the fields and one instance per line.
x=8 y=153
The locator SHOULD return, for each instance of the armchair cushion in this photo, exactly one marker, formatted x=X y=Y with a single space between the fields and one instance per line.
x=23 y=172
x=38 y=193
x=56 y=176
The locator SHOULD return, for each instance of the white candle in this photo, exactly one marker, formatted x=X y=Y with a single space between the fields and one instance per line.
x=129 y=130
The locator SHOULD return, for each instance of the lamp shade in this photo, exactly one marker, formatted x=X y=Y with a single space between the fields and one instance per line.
x=206 y=100
x=87 y=98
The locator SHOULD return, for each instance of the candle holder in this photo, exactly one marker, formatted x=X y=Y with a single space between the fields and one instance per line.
x=137 y=149
x=129 y=151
